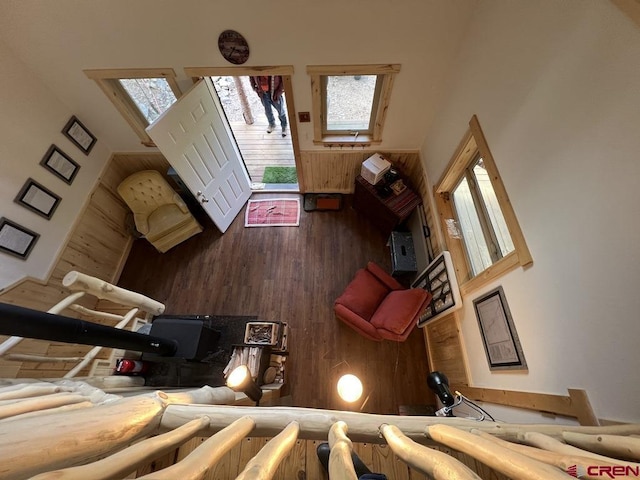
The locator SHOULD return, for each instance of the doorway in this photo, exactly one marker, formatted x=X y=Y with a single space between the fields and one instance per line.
x=267 y=154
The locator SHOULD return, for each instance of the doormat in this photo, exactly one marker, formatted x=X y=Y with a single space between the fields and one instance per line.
x=280 y=175
x=274 y=212
x=322 y=201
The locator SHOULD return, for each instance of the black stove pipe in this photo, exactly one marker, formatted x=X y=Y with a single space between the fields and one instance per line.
x=28 y=323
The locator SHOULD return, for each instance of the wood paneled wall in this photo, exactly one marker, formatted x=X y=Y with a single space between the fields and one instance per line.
x=335 y=171
x=98 y=245
x=443 y=342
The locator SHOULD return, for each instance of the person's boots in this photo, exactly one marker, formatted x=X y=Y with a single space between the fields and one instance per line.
x=323 y=452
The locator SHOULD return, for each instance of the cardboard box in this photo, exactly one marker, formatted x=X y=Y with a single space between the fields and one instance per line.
x=374 y=168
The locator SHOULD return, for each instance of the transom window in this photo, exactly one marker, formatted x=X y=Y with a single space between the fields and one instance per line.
x=140 y=95
x=350 y=102
x=481 y=230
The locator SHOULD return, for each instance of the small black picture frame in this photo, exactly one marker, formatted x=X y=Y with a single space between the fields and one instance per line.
x=15 y=239
x=499 y=335
x=60 y=164
x=79 y=135
x=38 y=199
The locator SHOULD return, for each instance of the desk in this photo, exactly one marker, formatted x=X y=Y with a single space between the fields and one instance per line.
x=386 y=213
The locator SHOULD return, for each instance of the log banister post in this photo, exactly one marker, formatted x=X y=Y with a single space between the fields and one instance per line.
x=340 y=463
x=99 y=288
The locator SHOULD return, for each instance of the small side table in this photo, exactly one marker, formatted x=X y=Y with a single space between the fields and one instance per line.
x=403 y=255
x=385 y=212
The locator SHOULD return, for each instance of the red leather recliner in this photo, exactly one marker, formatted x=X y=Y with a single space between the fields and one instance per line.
x=376 y=306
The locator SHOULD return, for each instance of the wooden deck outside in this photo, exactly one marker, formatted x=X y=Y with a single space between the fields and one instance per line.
x=261 y=149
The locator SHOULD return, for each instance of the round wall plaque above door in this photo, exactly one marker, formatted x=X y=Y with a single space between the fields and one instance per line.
x=233 y=47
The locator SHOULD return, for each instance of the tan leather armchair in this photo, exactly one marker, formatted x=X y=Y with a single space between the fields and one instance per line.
x=158 y=211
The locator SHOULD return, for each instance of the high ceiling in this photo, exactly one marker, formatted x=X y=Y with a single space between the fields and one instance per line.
x=57 y=40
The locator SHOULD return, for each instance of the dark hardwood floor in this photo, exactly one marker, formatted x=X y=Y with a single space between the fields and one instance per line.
x=292 y=275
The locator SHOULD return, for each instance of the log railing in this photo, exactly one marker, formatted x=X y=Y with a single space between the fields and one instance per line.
x=82 y=284
x=111 y=437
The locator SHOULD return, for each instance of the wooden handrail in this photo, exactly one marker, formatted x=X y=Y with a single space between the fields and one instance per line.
x=559 y=460
x=99 y=288
x=429 y=461
x=65 y=437
x=512 y=464
x=120 y=464
x=340 y=464
x=197 y=463
x=363 y=427
x=265 y=463
x=617 y=446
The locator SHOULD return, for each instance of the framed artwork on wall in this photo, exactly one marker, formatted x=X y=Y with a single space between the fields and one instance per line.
x=60 y=164
x=501 y=342
x=15 y=239
x=38 y=199
x=439 y=278
x=80 y=135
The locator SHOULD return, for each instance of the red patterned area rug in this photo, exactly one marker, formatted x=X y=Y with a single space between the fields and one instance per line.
x=274 y=212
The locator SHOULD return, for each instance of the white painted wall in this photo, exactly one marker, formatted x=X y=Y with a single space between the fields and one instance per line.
x=57 y=40
x=31 y=119
x=556 y=86
x=44 y=47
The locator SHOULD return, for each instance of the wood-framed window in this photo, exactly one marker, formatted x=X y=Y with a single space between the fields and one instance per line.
x=350 y=102
x=480 y=227
x=140 y=95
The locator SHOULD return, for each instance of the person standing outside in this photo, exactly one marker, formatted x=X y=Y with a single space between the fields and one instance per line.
x=270 y=90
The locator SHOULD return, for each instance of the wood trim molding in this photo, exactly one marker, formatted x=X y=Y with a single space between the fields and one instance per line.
x=575 y=405
x=28 y=278
x=197 y=73
x=629 y=7
x=381 y=106
x=116 y=73
x=501 y=267
x=474 y=142
x=458 y=163
x=293 y=126
x=352 y=69
x=316 y=106
x=47 y=278
x=107 y=80
x=200 y=72
x=524 y=256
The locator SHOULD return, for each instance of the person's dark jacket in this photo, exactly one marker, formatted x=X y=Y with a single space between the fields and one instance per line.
x=275 y=84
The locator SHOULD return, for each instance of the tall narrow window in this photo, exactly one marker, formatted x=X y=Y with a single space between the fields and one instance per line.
x=485 y=232
x=141 y=95
x=350 y=102
x=482 y=232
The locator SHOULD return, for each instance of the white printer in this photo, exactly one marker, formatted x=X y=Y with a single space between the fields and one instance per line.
x=374 y=168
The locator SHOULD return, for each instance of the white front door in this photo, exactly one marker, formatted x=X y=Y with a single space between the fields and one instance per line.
x=197 y=142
